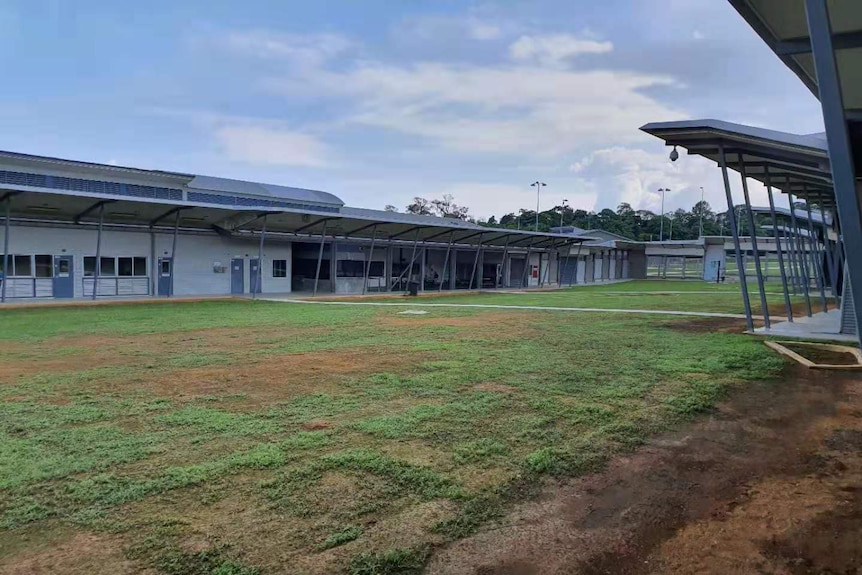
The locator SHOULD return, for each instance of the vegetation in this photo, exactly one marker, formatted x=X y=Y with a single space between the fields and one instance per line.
x=323 y=438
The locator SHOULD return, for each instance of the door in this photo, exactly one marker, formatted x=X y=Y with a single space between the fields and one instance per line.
x=166 y=276
x=569 y=271
x=64 y=279
x=254 y=275
x=237 y=276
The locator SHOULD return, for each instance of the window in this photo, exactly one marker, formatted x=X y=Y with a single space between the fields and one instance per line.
x=44 y=266
x=89 y=266
x=165 y=266
x=63 y=267
x=279 y=268
x=108 y=267
x=124 y=267
x=139 y=267
x=22 y=266
x=351 y=269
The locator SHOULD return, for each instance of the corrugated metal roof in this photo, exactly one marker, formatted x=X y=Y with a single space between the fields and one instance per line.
x=212 y=183
x=812 y=141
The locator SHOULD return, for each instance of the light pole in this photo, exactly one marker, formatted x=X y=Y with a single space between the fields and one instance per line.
x=563 y=211
x=701 y=212
x=670 y=236
x=538 y=185
x=661 y=222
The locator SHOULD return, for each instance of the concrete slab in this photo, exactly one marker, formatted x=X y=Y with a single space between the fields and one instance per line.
x=823 y=326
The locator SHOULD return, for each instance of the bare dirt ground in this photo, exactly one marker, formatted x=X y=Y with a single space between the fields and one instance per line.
x=769 y=483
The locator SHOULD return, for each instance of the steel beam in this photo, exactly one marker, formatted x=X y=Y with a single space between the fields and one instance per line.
x=312 y=224
x=174 y=252
x=731 y=214
x=320 y=257
x=167 y=214
x=817 y=259
x=259 y=260
x=475 y=263
x=370 y=259
x=407 y=231
x=97 y=271
x=524 y=281
x=840 y=151
x=7 y=200
x=97 y=206
x=446 y=262
x=754 y=248
x=803 y=257
x=503 y=265
x=787 y=304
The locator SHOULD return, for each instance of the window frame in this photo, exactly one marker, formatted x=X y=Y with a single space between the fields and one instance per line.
x=279 y=268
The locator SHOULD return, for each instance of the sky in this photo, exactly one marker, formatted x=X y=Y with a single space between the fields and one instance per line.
x=379 y=101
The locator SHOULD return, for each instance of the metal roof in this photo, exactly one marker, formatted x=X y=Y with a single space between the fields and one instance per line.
x=783 y=25
x=57 y=194
x=789 y=162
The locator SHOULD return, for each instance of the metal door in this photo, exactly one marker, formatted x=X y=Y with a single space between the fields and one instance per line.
x=166 y=276
x=254 y=275
x=569 y=270
x=237 y=276
x=64 y=278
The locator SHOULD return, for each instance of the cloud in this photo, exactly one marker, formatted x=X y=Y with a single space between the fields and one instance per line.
x=555 y=49
x=483 y=31
x=270 y=146
x=307 y=51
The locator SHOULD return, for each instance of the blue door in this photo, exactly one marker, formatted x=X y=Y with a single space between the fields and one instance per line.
x=237 y=276
x=166 y=276
x=254 y=275
x=64 y=277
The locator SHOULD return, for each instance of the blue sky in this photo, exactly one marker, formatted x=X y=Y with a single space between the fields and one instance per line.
x=379 y=101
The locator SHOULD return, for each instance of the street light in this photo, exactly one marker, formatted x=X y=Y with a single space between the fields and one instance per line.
x=563 y=211
x=538 y=185
x=661 y=223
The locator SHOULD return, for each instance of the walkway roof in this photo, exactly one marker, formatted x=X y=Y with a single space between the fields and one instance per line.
x=798 y=163
x=53 y=191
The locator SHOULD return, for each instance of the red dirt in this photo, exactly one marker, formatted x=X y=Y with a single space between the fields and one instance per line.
x=770 y=483
x=82 y=553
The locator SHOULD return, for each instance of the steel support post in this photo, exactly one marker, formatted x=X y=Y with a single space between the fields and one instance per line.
x=503 y=265
x=154 y=271
x=446 y=270
x=754 y=248
x=370 y=258
x=259 y=260
x=793 y=243
x=830 y=259
x=840 y=151
x=743 y=282
x=574 y=277
x=565 y=265
x=97 y=271
x=5 y=251
x=174 y=252
x=805 y=284
x=787 y=304
x=319 y=259
x=475 y=263
x=817 y=260
x=524 y=274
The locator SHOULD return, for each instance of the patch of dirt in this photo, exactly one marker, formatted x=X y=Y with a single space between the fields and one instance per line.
x=497 y=387
x=822 y=356
x=315 y=425
x=278 y=376
x=768 y=483
x=82 y=554
x=708 y=325
x=480 y=320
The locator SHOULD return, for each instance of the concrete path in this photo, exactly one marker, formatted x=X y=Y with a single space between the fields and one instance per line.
x=523 y=307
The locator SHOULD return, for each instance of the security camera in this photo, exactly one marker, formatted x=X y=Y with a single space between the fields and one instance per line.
x=674 y=155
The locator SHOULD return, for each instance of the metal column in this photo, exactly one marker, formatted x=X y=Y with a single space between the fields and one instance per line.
x=574 y=277
x=446 y=269
x=475 y=263
x=524 y=274
x=753 y=235
x=503 y=265
x=319 y=259
x=787 y=304
x=5 y=251
x=565 y=265
x=370 y=258
x=840 y=152
x=174 y=251
x=743 y=282
x=259 y=260
x=817 y=260
x=98 y=269
x=802 y=258
x=830 y=260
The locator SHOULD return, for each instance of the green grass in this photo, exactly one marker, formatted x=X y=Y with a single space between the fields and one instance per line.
x=363 y=470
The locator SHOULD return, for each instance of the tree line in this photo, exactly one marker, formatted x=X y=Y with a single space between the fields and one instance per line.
x=639 y=225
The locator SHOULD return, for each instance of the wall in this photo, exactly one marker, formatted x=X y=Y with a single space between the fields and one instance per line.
x=713 y=255
x=195 y=257
x=637 y=265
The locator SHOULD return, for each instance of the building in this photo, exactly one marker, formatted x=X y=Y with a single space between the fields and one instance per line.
x=83 y=230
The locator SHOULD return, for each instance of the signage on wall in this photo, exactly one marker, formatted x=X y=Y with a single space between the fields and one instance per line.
x=535 y=272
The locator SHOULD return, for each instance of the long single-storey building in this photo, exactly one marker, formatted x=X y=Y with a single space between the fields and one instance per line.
x=83 y=230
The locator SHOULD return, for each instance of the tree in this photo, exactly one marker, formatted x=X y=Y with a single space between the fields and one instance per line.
x=390 y=208
x=420 y=207
x=447 y=208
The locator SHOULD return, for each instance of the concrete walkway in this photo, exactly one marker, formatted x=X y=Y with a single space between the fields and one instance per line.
x=522 y=307
x=823 y=326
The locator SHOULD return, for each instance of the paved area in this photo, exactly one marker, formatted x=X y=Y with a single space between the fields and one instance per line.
x=421 y=304
x=823 y=326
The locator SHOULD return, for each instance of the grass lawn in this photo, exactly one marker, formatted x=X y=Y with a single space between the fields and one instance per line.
x=240 y=437
x=697 y=296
